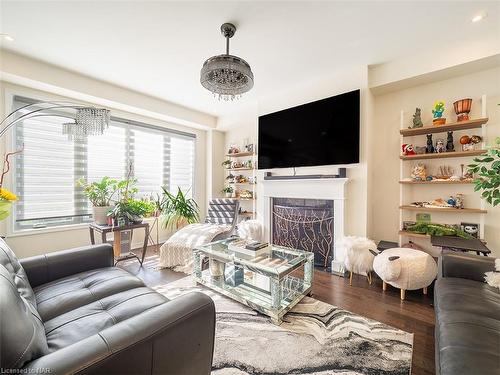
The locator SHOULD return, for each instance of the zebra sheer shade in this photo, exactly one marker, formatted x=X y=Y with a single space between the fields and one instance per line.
x=45 y=173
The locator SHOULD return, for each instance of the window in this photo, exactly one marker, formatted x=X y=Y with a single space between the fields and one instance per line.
x=45 y=173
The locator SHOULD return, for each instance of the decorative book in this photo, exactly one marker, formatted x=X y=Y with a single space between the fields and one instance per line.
x=249 y=247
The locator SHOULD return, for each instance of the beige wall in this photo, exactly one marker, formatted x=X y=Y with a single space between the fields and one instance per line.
x=386 y=148
x=244 y=125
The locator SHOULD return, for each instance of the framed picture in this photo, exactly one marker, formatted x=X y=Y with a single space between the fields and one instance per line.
x=423 y=218
x=470 y=228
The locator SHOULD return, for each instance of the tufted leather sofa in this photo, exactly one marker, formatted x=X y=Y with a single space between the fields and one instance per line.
x=467 y=311
x=73 y=312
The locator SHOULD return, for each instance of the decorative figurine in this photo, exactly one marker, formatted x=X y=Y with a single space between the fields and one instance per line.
x=476 y=139
x=420 y=149
x=466 y=175
x=440 y=146
x=462 y=108
x=470 y=228
x=430 y=148
x=408 y=149
x=418 y=172
x=449 y=142
x=437 y=113
x=429 y=178
x=451 y=201
x=459 y=201
x=417 y=121
x=445 y=172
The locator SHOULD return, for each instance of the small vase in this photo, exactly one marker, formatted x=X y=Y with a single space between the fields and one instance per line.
x=100 y=214
x=462 y=108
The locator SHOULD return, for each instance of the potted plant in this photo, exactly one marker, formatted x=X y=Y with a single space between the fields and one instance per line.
x=228 y=190
x=178 y=210
x=100 y=194
x=487 y=168
x=132 y=210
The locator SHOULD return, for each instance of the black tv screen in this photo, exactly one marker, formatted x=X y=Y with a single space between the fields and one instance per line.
x=324 y=132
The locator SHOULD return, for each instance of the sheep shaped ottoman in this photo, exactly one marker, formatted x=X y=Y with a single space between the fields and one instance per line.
x=406 y=269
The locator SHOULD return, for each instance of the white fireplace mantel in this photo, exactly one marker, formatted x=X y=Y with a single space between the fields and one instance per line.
x=317 y=188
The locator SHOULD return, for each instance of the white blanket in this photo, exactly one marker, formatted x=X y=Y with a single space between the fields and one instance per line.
x=177 y=251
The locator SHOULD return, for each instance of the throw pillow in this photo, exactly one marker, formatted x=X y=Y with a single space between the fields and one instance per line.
x=493 y=278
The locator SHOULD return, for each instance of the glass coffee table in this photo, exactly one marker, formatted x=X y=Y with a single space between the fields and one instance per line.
x=264 y=282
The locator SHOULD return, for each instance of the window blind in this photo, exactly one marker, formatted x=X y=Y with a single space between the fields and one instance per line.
x=46 y=172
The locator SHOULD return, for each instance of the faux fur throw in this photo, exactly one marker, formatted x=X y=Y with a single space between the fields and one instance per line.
x=493 y=278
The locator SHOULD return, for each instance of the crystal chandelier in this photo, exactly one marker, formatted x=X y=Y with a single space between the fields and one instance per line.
x=227 y=76
x=88 y=121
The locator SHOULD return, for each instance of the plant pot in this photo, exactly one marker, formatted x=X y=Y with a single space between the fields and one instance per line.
x=229 y=195
x=462 y=108
x=439 y=121
x=100 y=214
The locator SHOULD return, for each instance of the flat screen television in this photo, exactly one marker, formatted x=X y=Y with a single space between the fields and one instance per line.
x=325 y=132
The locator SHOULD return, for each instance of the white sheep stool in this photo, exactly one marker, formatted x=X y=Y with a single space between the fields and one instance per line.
x=358 y=258
x=406 y=269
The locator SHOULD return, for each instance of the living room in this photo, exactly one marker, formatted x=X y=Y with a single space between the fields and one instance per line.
x=227 y=176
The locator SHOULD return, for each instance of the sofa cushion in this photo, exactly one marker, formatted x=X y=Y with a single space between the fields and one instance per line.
x=9 y=260
x=467 y=327
x=63 y=295
x=455 y=294
x=87 y=320
x=22 y=336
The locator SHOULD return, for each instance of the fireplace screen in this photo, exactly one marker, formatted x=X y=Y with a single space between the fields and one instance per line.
x=305 y=224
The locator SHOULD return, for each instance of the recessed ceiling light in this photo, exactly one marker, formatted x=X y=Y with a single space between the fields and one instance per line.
x=6 y=37
x=479 y=17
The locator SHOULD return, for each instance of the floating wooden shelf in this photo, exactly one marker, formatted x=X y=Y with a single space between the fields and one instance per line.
x=471 y=124
x=240 y=154
x=241 y=183
x=442 y=155
x=444 y=209
x=434 y=182
x=246 y=214
x=239 y=169
x=246 y=199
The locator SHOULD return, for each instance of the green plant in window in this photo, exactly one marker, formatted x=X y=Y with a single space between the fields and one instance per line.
x=99 y=193
x=486 y=167
x=178 y=210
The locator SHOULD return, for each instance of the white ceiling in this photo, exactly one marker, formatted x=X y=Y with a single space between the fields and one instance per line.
x=159 y=47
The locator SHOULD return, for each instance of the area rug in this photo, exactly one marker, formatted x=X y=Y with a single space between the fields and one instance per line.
x=315 y=338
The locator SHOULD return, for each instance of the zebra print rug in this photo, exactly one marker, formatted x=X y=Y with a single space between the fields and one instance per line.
x=315 y=338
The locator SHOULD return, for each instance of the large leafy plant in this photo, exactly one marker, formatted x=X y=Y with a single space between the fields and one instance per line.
x=99 y=193
x=487 y=169
x=132 y=210
x=178 y=210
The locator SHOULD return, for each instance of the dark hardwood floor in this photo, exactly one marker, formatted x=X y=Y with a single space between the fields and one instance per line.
x=415 y=314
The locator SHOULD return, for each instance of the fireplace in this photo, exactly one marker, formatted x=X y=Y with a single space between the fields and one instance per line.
x=305 y=224
x=322 y=199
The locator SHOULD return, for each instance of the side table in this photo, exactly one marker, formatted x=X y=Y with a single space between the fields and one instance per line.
x=116 y=230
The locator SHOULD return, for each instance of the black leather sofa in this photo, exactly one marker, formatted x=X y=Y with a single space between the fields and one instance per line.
x=73 y=312
x=467 y=311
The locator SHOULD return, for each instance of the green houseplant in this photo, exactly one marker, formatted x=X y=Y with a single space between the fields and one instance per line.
x=178 y=210
x=100 y=194
x=487 y=169
x=228 y=190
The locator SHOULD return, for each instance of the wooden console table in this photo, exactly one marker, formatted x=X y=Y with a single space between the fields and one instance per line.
x=116 y=230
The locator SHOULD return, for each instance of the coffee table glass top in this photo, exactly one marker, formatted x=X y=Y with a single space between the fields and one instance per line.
x=279 y=260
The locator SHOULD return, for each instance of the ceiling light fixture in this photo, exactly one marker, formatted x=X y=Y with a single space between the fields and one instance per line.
x=226 y=76
x=6 y=37
x=479 y=17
